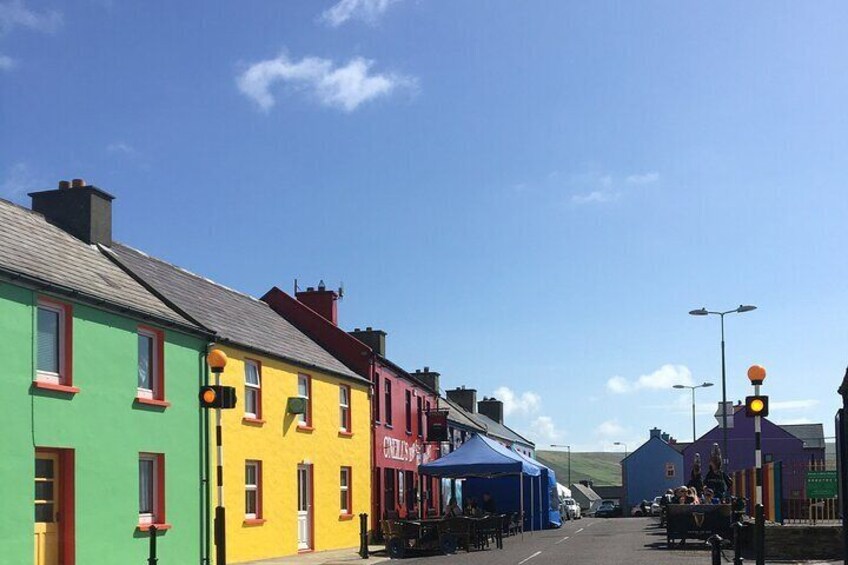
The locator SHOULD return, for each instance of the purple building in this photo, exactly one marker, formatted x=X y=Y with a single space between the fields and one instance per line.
x=793 y=445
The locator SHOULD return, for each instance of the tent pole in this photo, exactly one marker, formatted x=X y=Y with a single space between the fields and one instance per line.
x=521 y=498
x=541 y=506
x=532 y=511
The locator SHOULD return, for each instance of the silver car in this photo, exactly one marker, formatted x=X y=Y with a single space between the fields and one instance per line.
x=569 y=509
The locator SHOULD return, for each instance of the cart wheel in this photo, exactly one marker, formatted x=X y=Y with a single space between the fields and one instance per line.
x=397 y=548
x=447 y=543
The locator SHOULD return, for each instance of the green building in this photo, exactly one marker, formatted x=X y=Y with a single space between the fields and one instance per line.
x=99 y=412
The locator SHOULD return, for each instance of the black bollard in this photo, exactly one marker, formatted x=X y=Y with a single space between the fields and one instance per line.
x=152 y=559
x=715 y=545
x=737 y=543
x=363 y=535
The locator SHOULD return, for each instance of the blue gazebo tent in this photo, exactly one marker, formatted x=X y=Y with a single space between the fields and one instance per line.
x=481 y=457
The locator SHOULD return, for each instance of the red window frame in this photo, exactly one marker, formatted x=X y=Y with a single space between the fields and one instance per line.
x=159 y=515
x=256 y=419
x=349 y=503
x=158 y=370
x=66 y=348
x=408 y=402
x=307 y=425
x=347 y=430
x=259 y=518
x=387 y=408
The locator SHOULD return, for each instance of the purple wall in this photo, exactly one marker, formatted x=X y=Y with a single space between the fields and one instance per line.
x=776 y=442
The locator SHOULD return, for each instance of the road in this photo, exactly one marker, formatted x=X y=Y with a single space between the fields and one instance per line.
x=590 y=541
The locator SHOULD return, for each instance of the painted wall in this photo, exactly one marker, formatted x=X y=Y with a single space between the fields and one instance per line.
x=106 y=430
x=280 y=445
x=644 y=472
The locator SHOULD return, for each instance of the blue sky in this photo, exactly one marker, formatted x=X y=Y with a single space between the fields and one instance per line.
x=527 y=196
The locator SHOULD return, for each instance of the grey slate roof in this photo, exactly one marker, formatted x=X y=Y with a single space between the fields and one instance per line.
x=236 y=317
x=811 y=434
x=35 y=250
x=460 y=416
x=499 y=430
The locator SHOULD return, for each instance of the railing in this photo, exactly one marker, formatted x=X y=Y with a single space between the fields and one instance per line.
x=798 y=508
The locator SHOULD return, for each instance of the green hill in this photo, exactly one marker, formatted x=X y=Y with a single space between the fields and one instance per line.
x=600 y=468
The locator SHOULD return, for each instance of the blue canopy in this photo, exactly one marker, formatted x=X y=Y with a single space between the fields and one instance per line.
x=480 y=457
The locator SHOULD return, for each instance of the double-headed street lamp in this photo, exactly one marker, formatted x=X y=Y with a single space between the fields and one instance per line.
x=704 y=312
x=569 y=461
x=692 y=388
x=621 y=443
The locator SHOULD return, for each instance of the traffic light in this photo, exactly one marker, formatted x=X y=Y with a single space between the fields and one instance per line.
x=756 y=405
x=214 y=396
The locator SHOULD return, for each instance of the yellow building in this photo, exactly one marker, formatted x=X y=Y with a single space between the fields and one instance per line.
x=292 y=482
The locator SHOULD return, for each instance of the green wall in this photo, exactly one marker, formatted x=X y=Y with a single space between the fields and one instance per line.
x=105 y=429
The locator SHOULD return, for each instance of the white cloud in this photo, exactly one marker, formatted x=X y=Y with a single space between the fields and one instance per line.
x=6 y=63
x=14 y=14
x=610 y=429
x=663 y=378
x=643 y=178
x=526 y=403
x=122 y=148
x=543 y=430
x=343 y=87
x=18 y=180
x=595 y=196
x=793 y=421
x=793 y=404
x=365 y=10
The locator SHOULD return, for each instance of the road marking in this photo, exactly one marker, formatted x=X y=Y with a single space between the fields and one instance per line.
x=577 y=532
x=560 y=541
x=529 y=558
x=590 y=524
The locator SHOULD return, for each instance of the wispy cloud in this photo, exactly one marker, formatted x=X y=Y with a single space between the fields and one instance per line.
x=368 y=11
x=610 y=429
x=795 y=421
x=14 y=14
x=643 y=178
x=544 y=430
x=526 y=403
x=597 y=196
x=343 y=87
x=663 y=378
x=122 y=148
x=793 y=404
x=6 y=63
x=17 y=181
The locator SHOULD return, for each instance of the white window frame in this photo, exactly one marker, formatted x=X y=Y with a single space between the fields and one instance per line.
x=303 y=420
x=670 y=467
x=344 y=488
x=148 y=517
x=47 y=376
x=344 y=408
x=155 y=377
x=252 y=389
x=257 y=468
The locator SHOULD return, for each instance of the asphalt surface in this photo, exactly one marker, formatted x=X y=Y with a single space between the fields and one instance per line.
x=590 y=541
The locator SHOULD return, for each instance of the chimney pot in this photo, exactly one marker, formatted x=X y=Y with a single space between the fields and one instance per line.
x=368 y=328
x=321 y=285
x=78 y=183
x=64 y=184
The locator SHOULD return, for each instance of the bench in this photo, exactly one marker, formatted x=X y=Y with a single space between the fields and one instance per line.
x=697 y=521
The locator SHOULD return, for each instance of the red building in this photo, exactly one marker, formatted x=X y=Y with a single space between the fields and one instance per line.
x=400 y=402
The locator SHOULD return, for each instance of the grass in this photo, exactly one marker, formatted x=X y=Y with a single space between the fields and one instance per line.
x=600 y=468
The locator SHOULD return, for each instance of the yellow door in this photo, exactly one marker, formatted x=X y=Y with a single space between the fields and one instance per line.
x=46 y=509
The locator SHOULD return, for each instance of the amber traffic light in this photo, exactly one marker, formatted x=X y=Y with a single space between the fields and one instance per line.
x=756 y=406
x=213 y=396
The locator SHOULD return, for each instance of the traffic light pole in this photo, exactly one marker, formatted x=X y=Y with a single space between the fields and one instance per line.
x=759 y=518
x=220 y=519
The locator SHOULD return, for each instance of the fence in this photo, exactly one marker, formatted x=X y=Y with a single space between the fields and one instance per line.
x=798 y=508
x=744 y=486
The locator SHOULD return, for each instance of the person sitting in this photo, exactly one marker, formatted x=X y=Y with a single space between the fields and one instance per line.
x=489 y=506
x=692 y=496
x=453 y=510
x=475 y=511
x=680 y=494
x=709 y=497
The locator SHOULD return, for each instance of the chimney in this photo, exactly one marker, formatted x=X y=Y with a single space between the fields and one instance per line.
x=321 y=300
x=491 y=407
x=81 y=209
x=665 y=437
x=429 y=378
x=375 y=339
x=656 y=432
x=465 y=397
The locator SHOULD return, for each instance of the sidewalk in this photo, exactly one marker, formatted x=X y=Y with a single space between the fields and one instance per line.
x=348 y=556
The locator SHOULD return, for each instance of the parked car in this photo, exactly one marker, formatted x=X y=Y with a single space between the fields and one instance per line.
x=656 y=507
x=606 y=509
x=569 y=509
x=641 y=509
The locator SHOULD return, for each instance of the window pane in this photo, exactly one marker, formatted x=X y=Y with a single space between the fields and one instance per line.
x=145 y=486
x=302 y=387
x=48 y=340
x=250 y=400
x=44 y=490
x=44 y=468
x=251 y=374
x=250 y=474
x=145 y=361
x=250 y=502
x=343 y=477
x=44 y=512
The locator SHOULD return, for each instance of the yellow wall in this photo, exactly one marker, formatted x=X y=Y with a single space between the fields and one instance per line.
x=281 y=446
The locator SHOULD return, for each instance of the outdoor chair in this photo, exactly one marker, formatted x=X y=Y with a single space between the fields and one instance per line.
x=455 y=531
x=489 y=529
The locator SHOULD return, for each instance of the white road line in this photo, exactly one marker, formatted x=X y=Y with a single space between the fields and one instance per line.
x=529 y=558
x=560 y=541
x=577 y=532
x=590 y=524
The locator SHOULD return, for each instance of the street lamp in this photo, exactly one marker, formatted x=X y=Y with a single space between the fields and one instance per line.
x=704 y=312
x=692 y=388
x=569 y=461
x=624 y=445
x=217 y=360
